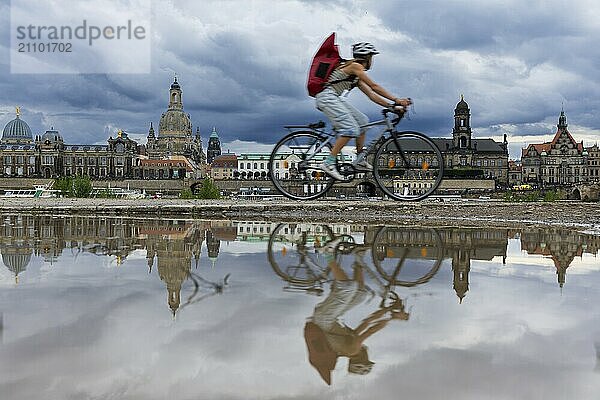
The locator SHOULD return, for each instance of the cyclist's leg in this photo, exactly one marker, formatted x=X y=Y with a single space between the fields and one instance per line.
x=342 y=117
x=361 y=119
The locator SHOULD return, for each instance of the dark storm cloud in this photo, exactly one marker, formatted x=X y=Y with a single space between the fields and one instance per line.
x=242 y=67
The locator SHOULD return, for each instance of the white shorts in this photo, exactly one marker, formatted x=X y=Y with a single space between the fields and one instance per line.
x=345 y=118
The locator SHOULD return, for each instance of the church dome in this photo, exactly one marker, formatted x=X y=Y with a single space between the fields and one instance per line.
x=51 y=135
x=17 y=129
x=174 y=122
x=462 y=104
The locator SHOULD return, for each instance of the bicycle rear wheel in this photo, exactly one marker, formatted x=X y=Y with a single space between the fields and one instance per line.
x=294 y=165
x=408 y=166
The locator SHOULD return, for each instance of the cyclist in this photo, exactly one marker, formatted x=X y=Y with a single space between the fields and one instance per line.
x=345 y=118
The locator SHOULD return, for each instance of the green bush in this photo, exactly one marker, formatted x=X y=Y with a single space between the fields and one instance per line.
x=64 y=184
x=82 y=186
x=208 y=190
x=186 y=194
x=78 y=186
x=532 y=196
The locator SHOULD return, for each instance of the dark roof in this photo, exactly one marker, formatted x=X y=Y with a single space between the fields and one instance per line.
x=483 y=145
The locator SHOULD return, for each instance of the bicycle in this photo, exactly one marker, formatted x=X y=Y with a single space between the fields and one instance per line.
x=407 y=165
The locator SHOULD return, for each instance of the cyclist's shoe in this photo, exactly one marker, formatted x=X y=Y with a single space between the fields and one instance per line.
x=363 y=165
x=331 y=170
x=331 y=246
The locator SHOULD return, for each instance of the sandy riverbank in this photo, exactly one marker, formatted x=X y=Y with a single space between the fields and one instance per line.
x=472 y=213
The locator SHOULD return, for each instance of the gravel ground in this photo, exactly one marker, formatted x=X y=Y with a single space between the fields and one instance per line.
x=572 y=214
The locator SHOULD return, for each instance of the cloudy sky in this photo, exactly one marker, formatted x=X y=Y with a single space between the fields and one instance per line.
x=243 y=64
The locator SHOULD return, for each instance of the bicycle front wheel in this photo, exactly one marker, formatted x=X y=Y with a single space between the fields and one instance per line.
x=293 y=254
x=294 y=165
x=407 y=256
x=408 y=166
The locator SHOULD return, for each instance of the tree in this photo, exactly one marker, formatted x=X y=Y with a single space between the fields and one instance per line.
x=209 y=190
x=64 y=184
x=186 y=194
x=82 y=186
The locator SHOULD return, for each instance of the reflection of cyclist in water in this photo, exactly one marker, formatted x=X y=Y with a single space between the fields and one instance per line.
x=327 y=338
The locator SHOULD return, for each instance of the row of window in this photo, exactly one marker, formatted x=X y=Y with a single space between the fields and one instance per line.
x=49 y=160
x=249 y=165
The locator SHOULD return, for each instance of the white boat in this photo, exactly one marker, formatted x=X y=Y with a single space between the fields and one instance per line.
x=257 y=193
x=38 y=192
x=119 y=193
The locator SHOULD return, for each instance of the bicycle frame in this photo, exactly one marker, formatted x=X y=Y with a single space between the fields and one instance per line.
x=389 y=127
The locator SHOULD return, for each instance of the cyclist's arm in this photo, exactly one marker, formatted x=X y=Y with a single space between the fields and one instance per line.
x=366 y=89
x=358 y=70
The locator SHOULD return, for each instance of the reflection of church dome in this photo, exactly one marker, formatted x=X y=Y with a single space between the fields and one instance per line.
x=17 y=129
x=16 y=259
x=173 y=274
x=52 y=135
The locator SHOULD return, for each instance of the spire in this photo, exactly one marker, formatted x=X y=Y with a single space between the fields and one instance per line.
x=151 y=131
x=18 y=111
x=562 y=120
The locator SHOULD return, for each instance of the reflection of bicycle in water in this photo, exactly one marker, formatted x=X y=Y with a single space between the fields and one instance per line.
x=401 y=256
x=306 y=256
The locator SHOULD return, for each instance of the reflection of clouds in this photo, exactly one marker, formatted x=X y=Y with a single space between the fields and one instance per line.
x=85 y=331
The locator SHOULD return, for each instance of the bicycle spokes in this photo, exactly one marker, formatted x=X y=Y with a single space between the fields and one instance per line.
x=295 y=166
x=408 y=166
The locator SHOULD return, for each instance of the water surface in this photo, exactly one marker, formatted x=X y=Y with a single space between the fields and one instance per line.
x=101 y=308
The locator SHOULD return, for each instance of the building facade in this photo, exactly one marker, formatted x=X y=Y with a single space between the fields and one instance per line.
x=473 y=157
x=224 y=166
x=173 y=153
x=47 y=156
x=562 y=161
x=175 y=132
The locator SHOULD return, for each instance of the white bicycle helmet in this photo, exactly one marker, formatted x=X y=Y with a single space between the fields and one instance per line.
x=363 y=49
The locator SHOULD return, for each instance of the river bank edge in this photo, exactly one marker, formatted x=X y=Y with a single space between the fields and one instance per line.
x=569 y=214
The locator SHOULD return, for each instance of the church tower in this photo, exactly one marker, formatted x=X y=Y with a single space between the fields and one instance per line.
x=175 y=102
x=461 y=134
x=214 y=146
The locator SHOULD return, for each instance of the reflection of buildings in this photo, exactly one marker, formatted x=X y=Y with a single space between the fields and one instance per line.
x=560 y=245
x=171 y=245
x=464 y=245
x=460 y=245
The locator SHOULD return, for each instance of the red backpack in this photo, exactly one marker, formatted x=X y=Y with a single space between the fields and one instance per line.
x=324 y=62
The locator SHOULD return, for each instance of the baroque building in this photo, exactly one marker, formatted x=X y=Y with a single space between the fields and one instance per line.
x=468 y=157
x=175 y=132
x=465 y=157
x=47 y=155
x=562 y=161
